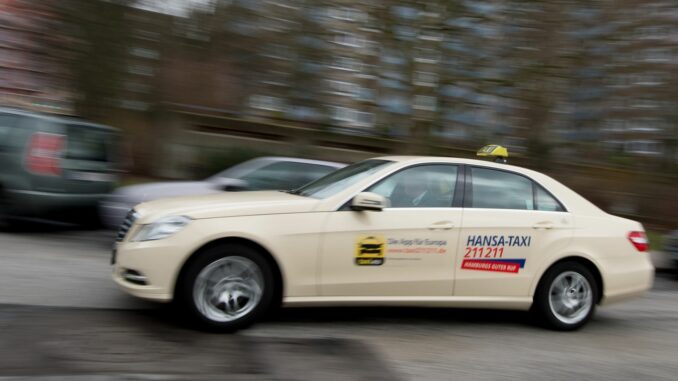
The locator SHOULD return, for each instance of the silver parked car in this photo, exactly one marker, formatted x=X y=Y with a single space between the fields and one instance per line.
x=265 y=173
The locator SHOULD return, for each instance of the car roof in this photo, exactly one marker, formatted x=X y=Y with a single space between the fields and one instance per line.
x=300 y=160
x=63 y=119
x=452 y=160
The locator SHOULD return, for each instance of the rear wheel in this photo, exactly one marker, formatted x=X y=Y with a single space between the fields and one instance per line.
x=228 y=287
x=566 y=296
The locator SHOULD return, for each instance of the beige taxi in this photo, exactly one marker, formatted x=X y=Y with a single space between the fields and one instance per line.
x=405 y=231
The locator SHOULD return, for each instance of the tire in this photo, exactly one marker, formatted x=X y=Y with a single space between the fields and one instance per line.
x=214 y=302
x=566 y=297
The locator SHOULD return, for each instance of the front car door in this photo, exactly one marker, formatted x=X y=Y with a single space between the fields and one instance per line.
x=510 y=222
x=407 y=249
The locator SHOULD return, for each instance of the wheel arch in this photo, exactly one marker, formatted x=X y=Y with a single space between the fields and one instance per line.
x=277 y=272
x=584 y=261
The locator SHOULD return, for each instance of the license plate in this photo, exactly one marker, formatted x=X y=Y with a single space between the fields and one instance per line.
x=89 y=176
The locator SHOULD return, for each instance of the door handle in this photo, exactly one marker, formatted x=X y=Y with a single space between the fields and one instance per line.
x=543 y=225
x=442 y=225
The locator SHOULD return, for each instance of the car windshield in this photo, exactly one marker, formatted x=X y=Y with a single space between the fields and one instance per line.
x=239 y=170
x=262 y=174
x=339 y=180
x=284 y=175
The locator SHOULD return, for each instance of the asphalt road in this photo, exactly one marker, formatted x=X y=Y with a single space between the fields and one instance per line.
x=61 y=318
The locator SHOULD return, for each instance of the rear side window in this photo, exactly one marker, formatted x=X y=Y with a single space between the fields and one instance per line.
x=7 y=123
x=546 y=202
x=87 y=143
x=500 y=190
x=496 y=189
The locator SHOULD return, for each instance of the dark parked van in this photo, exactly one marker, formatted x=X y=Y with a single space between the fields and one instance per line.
x=51 y=164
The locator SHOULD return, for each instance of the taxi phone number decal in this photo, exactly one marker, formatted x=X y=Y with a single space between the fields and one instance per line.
x=485 y=253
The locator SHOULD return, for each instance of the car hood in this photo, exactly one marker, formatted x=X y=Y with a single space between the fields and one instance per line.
x=135 y=194
x=227 y=204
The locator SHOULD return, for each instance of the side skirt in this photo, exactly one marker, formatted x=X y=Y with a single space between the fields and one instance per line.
x=510 y=303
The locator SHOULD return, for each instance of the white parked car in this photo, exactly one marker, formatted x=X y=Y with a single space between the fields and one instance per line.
x=263 y=173
x=408 y=231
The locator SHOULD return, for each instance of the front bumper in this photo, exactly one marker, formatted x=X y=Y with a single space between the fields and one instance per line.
x=159 y=262
x=152 y=293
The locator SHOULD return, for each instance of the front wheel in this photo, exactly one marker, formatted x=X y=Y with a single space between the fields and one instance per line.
x=226 y=288
x=566 y=296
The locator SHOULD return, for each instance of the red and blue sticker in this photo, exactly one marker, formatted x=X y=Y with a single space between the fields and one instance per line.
x=503 y=265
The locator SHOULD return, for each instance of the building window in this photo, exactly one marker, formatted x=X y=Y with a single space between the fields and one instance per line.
x=144 y=53
x=646 y=125
x=344 y=88
x=649 y=79
x=657 y=54
x=426 y=55
x=614 y=125
x=646 y=103
x=137 y=87
x=424 y=78
x=654 y=31
x=266 y=102
x=347 y=64
x=349 y=39
x=437 y=37
x=425 y=102
x=353 y=116
x=144 y=70
x=643 y=147
x=347 y=14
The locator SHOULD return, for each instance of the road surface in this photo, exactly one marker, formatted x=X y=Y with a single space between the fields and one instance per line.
x=61 y=318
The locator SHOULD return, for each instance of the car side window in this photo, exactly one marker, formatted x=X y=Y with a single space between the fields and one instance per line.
x=7 y=122
x=496 y=189
x=546 y=202
x=423 y=186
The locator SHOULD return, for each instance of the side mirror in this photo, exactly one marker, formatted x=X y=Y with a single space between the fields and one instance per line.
x=369 y=201
x=230 y=185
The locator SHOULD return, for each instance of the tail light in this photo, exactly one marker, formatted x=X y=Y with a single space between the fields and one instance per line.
x=43 y=156
x=639 y=241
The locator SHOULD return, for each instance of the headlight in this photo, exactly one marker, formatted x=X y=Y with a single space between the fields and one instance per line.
x=161 y=228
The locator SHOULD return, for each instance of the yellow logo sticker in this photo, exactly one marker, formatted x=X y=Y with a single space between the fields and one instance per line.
x=370 y=250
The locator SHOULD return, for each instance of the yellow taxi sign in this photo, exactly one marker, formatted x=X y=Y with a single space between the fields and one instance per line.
x=494 y=150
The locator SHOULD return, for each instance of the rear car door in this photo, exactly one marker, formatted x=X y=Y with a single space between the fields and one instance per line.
x=89 y=159
x=70 y=158
x=509 y=223
x=407 y=249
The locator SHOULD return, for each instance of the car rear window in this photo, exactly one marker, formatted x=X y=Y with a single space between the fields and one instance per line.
x=88 y=143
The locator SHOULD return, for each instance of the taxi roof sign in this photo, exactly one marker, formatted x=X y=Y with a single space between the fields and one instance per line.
x=494 y=150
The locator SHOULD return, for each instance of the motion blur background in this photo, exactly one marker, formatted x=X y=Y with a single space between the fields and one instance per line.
x=584 y=90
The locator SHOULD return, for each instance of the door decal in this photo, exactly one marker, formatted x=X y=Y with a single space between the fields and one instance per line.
x=505 y=265
x=370 y=251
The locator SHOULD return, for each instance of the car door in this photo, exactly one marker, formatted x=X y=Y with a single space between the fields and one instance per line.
x=509 y=223
x=407 y=249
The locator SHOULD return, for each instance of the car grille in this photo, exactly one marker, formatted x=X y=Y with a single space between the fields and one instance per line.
x=126 y=225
